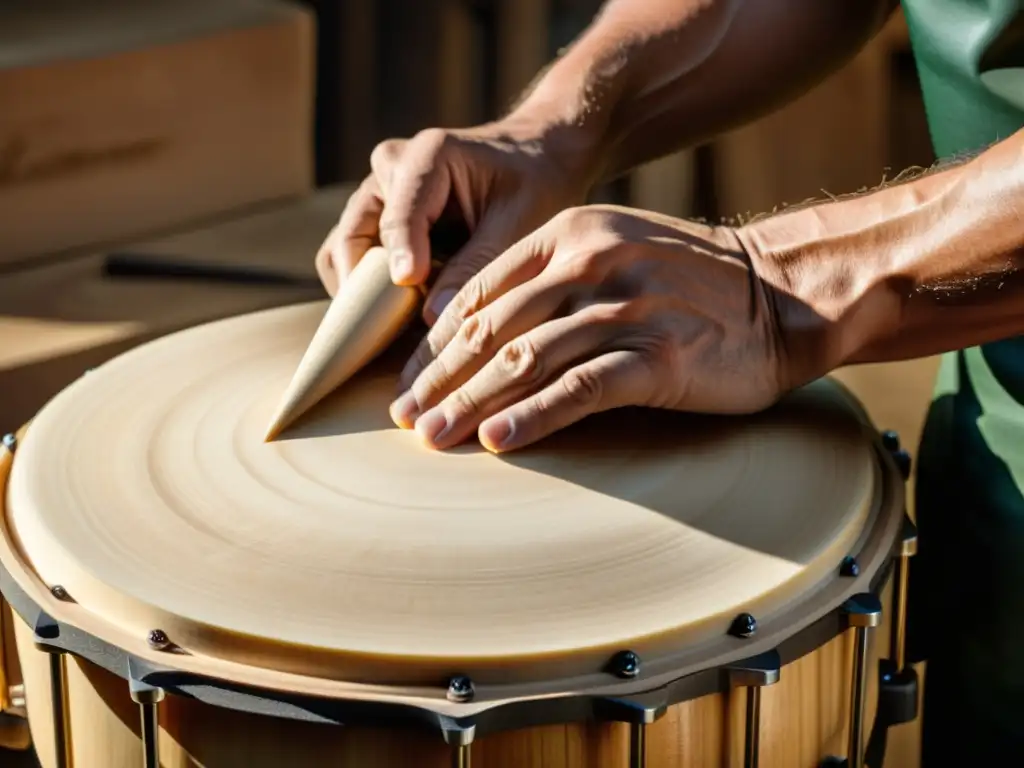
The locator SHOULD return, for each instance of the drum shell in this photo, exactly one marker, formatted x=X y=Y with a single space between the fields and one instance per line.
x=804 y=718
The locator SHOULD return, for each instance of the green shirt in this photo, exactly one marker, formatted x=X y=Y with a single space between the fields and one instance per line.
x=967 y=584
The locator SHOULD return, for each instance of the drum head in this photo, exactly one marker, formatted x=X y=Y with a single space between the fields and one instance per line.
x=348 y=550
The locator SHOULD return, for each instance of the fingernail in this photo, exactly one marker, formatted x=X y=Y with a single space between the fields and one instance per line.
x=405 y=410
x=441 y=300
x=496 y=434
x=432 y=425
x=401 y=265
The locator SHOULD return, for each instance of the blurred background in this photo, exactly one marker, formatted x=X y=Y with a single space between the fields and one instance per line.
x=144 y=143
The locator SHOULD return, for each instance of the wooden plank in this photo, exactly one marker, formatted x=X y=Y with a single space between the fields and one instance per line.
x=120 y=118
x=58 y=320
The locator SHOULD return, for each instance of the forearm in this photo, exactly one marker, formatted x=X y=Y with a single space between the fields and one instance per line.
x=920 y=268
x=651 y=76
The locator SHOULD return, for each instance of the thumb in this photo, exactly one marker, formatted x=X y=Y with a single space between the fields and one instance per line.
x=416 y=196
x=492 y=237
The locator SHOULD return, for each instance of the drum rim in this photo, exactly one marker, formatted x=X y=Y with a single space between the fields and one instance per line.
x=62 y=626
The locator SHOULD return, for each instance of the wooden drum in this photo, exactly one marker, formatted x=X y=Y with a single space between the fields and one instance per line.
x=646 y=588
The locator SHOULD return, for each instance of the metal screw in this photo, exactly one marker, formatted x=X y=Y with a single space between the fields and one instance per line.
x=59 y=592
x=903 y=463
x=157 y=639
x=460 y=689
x=743 y=626
x=890 y=440
x=625 y=664
x=10 y=442
x=849 y=567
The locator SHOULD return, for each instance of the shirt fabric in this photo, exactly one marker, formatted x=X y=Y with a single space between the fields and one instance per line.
x=967 y=580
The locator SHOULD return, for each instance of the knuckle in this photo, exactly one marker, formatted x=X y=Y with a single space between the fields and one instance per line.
x=582 y=387
x=383 y=155
x=434 y=376
x=470 y=299
x=519 y=360
x=432 y=140
x=462 y=403
x=476 y=334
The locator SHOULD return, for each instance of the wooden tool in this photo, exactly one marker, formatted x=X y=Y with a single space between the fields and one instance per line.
x=365 y=316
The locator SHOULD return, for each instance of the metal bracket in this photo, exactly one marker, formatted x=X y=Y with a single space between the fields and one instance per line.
x=753 y=674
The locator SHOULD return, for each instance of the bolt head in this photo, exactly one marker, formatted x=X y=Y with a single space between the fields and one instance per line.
x=903 y=463
x=890 y=440
x=10 y=442
x=59 y=592
x=625 y=664
x=743 y=626
x=460 y=689
x=157 y=639
x=849 y=567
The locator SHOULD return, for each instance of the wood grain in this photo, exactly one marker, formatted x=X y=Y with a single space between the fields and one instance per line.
x=119 y=118
x=347 y=516
x=362 y=320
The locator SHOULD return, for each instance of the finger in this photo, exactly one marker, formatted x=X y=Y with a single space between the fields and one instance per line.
x=613 y=380
x=518 y=370
x=418 y=190
x=519 y=265
x=479 y=338
x=497 y=232
x=354 y=234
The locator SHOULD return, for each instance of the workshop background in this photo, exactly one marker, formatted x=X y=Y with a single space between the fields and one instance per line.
x=230 y=132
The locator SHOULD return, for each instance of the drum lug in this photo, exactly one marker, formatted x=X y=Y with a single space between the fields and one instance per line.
x=47 y=637
x=862 y=613
x=639 y=711
x=754 y=674
x=148 y=697
x=460 y=738
x=16 y=701
x=10 y=443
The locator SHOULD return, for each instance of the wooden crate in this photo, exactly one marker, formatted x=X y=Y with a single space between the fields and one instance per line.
x=119 y=118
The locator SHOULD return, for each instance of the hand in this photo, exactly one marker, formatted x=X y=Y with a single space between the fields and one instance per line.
x=602 y=307
x=501 y=180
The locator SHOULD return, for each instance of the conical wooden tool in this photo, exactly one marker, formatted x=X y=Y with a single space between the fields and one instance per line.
x=364 y=317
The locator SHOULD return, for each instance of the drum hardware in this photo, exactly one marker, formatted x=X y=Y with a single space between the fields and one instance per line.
x=7 y=696
x=625 y=664
x=47 y=630
x=849 y=568
x=743 y=626
x=147 y=697
x=754 y=674
x=157 y=640
x=897 y=682
x=460 y=689
x=60 y=593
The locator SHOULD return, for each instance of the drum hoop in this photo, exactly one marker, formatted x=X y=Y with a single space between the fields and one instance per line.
x=821 y=614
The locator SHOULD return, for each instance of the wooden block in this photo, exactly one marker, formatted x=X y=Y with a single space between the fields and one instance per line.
x=120 y=118
x=58 y=320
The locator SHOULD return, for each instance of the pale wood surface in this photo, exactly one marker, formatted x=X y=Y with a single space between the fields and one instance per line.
x=365 y=316
x=347 y=506
x=123 y=118
x=59 y=319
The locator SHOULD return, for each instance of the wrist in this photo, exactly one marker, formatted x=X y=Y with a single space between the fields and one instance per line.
x=833 y=297
x=568 y=111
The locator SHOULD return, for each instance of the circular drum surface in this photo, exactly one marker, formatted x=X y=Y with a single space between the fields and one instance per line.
x=145 y=489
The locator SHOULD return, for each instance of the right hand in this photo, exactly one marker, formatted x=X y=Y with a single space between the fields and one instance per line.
x=501 y=180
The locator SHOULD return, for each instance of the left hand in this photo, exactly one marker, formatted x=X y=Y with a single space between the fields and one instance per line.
x=600 y=308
